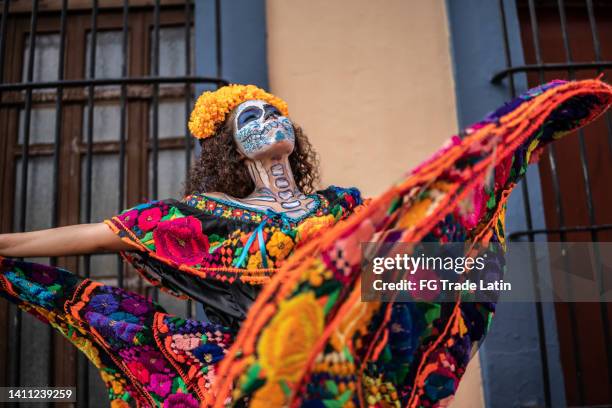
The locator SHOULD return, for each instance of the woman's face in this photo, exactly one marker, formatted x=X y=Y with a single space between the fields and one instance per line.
x=260 y=130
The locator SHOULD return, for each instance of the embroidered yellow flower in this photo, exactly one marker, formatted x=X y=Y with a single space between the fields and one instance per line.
x=212 y=107
x=279 y=245
x=255 y=261
x=88 y=349
x=285 y=344
x=270 y=395
x=316 y=273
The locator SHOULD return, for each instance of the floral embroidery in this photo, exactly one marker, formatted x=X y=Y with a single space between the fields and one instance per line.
x=129 y=218
x=255 y=261
x=181 y=240
x=181 y=401
x=286 y=343
x=178 y=233
x=279 y=245
x=396 y=354
x=148 y=219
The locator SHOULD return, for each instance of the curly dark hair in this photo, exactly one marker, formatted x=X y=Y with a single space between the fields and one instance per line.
x=220 y=168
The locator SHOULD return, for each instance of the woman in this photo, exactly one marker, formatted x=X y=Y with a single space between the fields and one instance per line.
x=252 y=230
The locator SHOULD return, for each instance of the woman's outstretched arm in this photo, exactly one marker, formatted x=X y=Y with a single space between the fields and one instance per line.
x=70 y=240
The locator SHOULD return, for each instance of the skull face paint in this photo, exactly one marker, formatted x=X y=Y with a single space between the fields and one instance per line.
x=260 y=129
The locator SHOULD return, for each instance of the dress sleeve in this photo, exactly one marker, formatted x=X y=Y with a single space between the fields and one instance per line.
x=171 y=242
x=148 y=227
x=140 y=225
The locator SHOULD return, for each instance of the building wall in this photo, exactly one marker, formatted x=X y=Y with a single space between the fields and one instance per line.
x=372 y=86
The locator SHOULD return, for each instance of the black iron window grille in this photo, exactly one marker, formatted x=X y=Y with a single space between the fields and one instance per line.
x=564 y=39
x=94 y=104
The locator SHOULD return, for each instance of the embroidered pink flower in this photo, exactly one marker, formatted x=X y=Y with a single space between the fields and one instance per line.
x=502 y=172
x=472 y=207
x=129 y=218
x=139 y=371
x=180 y=401
x=185 y=343
x=148 y=219
x=160 y=384
x=181 y=240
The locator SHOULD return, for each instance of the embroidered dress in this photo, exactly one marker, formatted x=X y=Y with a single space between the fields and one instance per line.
x=307 y=339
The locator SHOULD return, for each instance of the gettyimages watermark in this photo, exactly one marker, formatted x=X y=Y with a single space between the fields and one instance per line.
x=514 y=272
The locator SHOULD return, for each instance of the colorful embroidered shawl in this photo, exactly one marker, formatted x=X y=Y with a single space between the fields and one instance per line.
x=344 y=352
x=308 y=340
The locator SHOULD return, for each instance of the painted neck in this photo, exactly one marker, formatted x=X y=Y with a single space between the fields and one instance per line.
x=274 y=180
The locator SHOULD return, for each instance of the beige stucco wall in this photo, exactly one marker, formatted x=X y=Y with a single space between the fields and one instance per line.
x=371 y=84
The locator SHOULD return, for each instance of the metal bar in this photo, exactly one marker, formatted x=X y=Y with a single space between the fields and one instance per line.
x=533 y=265
x=15 y=342
x=597 y=50
x=146 y=80
x=83 y=395
x=546 y=231
x=549 y=66
x=155 y=119
x=593 y=25
x=58 y=121
x=587 y=181
x=187 y=86
x=507 y=54
x=12 y=311
x=122 y=124
x=603 y=307
x=90 y=123
x=188 y=139
x=3 y=27
x=218 y=39
x=155 y=102
x=56 y=157
x=559 y=209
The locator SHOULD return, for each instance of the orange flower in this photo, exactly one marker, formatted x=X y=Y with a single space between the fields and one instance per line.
x=286 y=342
x=313 y=226
x=279 y=246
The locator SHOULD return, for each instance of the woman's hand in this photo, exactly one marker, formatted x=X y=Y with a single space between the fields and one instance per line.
x=77 y=239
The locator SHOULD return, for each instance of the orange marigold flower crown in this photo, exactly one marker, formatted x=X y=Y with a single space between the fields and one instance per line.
x=212 y=107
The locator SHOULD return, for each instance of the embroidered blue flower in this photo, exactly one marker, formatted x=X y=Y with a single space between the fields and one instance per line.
x=104 y=304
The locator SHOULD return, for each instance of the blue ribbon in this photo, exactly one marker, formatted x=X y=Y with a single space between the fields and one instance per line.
x=257 y=233
x=284 y=218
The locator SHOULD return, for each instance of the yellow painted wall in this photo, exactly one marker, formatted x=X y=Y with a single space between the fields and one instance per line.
x=371 y=84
